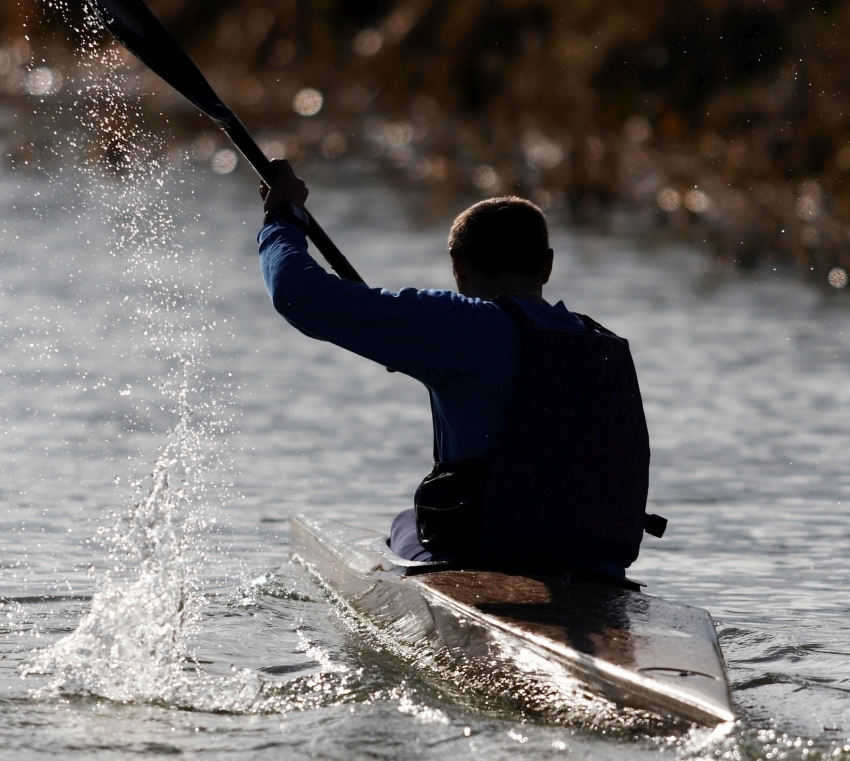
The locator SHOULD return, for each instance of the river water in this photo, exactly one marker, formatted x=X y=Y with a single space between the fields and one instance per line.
x=160 y=424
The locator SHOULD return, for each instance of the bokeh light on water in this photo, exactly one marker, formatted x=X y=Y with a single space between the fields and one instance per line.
x=669 y=199
x=307 y=102
x=333 y=145
x=368 y=42
x=43 y=81
x=697 y=201
x=224 y=161
x=486 y=179
x=837 y=277
x=540 y=151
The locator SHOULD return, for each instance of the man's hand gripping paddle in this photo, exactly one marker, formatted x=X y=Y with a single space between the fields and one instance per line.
x=137 y=29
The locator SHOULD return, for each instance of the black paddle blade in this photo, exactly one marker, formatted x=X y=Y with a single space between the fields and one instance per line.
x=137 y=29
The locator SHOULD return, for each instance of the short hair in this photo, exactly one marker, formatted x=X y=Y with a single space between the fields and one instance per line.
x=500 y=236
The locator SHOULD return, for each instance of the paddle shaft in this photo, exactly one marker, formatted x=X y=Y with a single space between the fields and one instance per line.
x=240 y=137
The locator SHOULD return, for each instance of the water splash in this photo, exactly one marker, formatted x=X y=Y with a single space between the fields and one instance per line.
x=133 y=643
x=130 y=645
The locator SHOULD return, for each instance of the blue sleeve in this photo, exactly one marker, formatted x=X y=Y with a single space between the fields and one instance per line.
x=429 y=335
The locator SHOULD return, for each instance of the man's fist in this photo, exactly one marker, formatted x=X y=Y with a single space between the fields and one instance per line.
x=287 y=187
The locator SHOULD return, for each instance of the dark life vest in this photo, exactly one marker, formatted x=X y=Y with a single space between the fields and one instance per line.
x=568 y=481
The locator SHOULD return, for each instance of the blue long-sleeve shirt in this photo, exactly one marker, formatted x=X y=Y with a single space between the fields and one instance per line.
x=464 y=350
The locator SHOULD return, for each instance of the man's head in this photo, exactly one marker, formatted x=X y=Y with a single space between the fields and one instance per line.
x=503 y=243
x=501 y=235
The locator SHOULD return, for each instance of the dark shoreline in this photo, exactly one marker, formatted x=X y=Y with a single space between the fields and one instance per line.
x=709 y=124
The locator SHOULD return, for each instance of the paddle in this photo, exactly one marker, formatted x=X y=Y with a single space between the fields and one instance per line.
x=137 y=29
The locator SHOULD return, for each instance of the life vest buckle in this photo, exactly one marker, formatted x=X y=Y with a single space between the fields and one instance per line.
x=654 y=525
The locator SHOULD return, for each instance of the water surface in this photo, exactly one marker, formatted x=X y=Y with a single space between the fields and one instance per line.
x=746 y=382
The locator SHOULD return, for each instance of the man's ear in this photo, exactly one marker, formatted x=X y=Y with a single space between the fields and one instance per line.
x=547 y=269
x=458 y=269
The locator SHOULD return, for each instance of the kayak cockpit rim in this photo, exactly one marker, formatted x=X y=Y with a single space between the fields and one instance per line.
x=416 y=567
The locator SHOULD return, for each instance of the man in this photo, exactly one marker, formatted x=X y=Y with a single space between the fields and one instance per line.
x=540 y=444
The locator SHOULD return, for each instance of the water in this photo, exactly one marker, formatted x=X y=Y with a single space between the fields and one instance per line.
x=151 y=614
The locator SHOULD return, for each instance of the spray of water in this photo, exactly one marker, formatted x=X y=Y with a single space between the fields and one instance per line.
x=132 y=644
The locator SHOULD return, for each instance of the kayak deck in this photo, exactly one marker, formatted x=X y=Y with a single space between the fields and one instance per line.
x=543 y=637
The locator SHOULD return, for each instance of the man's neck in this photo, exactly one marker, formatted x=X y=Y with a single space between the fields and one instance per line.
x=475 y=284
x=516 y=286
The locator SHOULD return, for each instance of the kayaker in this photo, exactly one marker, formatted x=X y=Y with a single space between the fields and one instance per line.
x=540 y=444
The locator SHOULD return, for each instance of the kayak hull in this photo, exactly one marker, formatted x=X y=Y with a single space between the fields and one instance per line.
x=561 y=642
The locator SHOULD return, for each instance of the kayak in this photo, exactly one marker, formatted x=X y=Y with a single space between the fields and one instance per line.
x=569 y=642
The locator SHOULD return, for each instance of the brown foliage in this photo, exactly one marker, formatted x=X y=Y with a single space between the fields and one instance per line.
x=598 y=102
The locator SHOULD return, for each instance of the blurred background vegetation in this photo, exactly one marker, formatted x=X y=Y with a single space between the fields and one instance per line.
x=726 y=119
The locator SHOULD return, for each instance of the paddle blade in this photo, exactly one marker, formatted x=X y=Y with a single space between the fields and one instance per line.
x=137 y=29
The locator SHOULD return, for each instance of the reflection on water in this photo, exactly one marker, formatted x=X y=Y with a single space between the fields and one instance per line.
x=132 y=318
